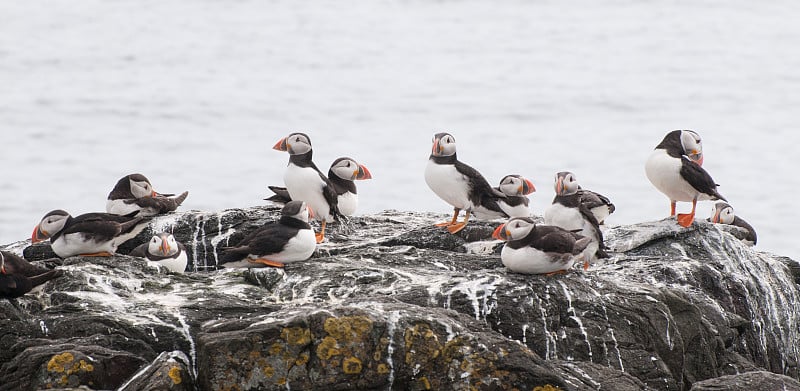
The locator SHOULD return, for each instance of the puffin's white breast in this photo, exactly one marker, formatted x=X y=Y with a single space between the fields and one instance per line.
x=298 y=248
x=529 y=260
x=664 y=172
x=305 y=184
x=68 y=245
x=449 y=184
x=520 y=210
x=177 y=265
x=348 y=202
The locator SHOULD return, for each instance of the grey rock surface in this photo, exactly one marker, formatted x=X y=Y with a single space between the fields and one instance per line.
x=391 y=302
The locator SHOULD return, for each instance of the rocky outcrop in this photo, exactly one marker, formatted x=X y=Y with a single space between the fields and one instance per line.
x=391 y=302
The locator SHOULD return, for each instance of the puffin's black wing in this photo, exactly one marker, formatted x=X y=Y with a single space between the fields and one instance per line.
x=140 y=250
x=329 y=192
x=267 y=240
x=593 y=200
x=553 y=239
x=482 y=193
x=281 y=195
x=751 y=232
x=18 y=265
x=14 y=285
x=160 y=203
x=699 y=178
x=101 y=226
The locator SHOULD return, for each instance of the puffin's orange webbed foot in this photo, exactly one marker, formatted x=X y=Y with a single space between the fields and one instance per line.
x=320 y=236
x=266 y=262
x=685 y=219
x=455 y=228
x=564 y=271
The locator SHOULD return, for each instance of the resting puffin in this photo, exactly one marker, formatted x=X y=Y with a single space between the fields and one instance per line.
x=165 y=251
x=304 y=181
x=289 y=239
x=134 y=193
x=343 y=173
x=539 y=249
x=724 y=214
x=18 y=277
x=671 y=170
x=460 y=185
x=568 y=212
x=90 y=234
x=515 y=187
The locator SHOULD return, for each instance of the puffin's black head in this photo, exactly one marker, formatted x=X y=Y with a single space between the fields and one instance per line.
x=349 y=170
x=444 y=144
x=295 y=144
x=683 y=142
x=52 y=223
x=297 y=210
x=566 y=183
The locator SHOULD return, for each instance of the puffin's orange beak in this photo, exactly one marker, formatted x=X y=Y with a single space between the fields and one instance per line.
x=527 y=187
x=715 y=219
x=38 y=235
x=436 y=150
x=281 y=145
x=500 y=232
x=164 y=247
x=559 y=185
x=310 y=212
x=363 y=173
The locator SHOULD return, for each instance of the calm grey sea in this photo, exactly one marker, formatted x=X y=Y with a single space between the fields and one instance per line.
x=194 y=95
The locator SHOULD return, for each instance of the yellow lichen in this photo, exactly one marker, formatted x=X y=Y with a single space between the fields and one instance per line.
x=425 y=382
x=175 y=374
x=296 y=335
x=275 y=349
x=327 y=348
x=59 y=362
x=377 y=355
x=546 y=387
x=302 y=359
x=269 y=371
x=281 y=381
x=383 y=369
x=351 y=366
x=422 y=344
x=348 y=328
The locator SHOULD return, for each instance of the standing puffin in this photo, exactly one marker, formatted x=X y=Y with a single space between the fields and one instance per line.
x=134 y=193
x=539 y=249
x=90 y=234
x=289 y=239
x=723 y=214
x=304 y=181
x=18 y=277
x=343 y=173
x=671 y=168
x=515 y=188
x=165 y=251
x=460 y=185
x=568 y=212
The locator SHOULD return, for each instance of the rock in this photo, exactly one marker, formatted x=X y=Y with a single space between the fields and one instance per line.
x=756 y=380
x=390 y=302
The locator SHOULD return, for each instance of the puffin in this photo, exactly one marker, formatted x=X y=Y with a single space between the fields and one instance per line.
x=18 y=277
x=290 y=239
x=598 y=204
x=460 y=185
x=568 y=212
x=343 y=173
x=723 y=214
x=515 y=187
x=305 y=182
x=90 y=234
x=675 y=169
x=134 y=193
x=539 y=249
x=165 y=251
